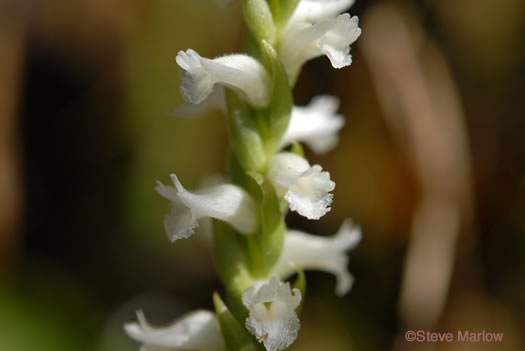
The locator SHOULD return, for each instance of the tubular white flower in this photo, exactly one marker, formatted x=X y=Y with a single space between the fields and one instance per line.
x=316 y=10
x=199 y=331
x=311 y=252
x=302 y=41
x=307 y=189
x=317 y=125
x=272 y=317
x=226 y=202
x=240 y=72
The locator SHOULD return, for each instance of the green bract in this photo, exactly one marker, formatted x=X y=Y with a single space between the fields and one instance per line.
x=232 y=259
x=269 y=238
x=278 y=114
x=247 y=144
x=259 y=19
x=236 y=337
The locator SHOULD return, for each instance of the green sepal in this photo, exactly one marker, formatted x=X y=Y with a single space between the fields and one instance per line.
x=259 y=19
x=300 y=283
x=277 y=115
x=282 y=10
x=236 y=337
x=247 y=144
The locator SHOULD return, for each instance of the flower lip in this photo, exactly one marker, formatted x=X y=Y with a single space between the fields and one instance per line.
x=302 y=41
x=272 y=318
x=240 y=72
x=181 y=221
x=306 y=188
x=336 y=43
x=225 y=202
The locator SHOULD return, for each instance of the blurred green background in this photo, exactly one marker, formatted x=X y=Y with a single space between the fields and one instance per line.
x=431 y=164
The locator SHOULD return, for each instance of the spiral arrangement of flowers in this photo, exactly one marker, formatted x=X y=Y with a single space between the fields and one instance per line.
x=254 y=250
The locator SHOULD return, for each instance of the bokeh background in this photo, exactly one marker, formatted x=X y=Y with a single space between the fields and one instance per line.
x=431 y=164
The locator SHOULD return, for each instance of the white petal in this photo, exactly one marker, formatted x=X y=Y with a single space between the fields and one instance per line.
x=240 y=72
x=332 y=37
x=272 y=317
x=205 y=231
x=311 y=252
x=197 y=331
x=226 y=202
x=307 y=189
x=316 y=10
x=317 y=125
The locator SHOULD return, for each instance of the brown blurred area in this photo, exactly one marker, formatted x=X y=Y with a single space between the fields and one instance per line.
x=430 y=164
x=12 y=38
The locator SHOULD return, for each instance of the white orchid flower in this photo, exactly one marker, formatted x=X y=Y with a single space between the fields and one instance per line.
x=197 y=331
x=272 y=317
x=240 y=72
x=306 y=188
x=317 y=124
x=331 y=37
x=312 y=252
x=317 y=29
x=225 y=202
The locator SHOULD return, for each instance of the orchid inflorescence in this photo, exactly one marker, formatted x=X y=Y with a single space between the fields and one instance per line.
x=255 y=252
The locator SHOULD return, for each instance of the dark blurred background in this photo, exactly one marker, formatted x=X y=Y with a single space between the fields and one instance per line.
x=431 y=164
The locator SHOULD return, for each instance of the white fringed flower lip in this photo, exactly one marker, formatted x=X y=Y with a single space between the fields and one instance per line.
x=199 y=331
x=317 y=124
x=239 y=72
x=312 y=252
x=225 y=202
x=306 y=188
x=272 y=318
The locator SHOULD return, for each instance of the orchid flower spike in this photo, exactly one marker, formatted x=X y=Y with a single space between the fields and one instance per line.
x=312 y=252
x=239 y=72
x=317 y=124
x=306 y=188
x=314 y=31
x=199 y=331
x=226 y=202
x=272 y=317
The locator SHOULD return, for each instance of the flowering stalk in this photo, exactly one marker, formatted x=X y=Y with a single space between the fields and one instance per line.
x=254 y=250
